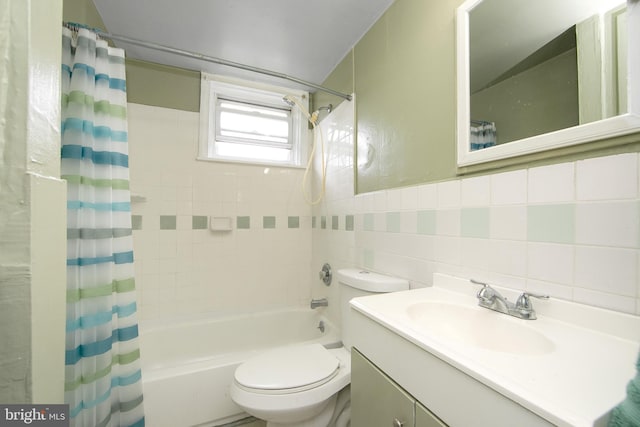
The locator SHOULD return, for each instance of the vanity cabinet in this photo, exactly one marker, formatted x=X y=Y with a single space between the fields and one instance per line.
x=425 y=418
x=377 y=401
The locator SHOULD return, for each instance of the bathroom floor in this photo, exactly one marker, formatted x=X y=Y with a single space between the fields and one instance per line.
x=257 y=423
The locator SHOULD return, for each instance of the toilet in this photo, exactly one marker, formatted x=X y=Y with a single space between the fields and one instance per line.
x=308 y=385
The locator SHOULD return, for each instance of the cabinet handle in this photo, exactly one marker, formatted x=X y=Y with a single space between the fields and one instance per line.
x=397 y=423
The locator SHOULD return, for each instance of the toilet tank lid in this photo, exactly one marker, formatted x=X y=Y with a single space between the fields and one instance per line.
x=370 y=281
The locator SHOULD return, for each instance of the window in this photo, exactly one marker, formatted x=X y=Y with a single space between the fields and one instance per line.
x=246 y=122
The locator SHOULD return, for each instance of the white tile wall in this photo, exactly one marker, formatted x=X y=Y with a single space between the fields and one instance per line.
x=601 y=267
x=183 y=271
x=448 y=222
x=448 y=194
x=509 y=188
x=427 y=196
x=550 y=184
x=607 y=178
x=550 y=262
x=475 y=192
x=608 y=223
x=508 y=222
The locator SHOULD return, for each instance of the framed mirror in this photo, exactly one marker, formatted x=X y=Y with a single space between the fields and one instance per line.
x=538 y=75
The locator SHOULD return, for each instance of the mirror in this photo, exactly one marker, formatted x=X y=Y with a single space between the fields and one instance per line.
x=538 y=75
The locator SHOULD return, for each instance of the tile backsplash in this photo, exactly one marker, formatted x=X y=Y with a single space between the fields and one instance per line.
x=571 y=230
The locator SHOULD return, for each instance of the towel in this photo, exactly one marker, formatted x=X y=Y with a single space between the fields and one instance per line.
x=627 y=413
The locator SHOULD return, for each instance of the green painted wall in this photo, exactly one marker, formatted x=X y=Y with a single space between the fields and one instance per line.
x=162 y=86
x=404 y=78
x=340 y=79
x=403 y=72
x=147 y=83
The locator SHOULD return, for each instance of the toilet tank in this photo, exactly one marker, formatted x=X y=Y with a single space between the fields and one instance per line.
x=356 y=282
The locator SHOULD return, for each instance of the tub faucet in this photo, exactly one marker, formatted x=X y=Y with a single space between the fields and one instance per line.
x=322 y=302
x=493 y=300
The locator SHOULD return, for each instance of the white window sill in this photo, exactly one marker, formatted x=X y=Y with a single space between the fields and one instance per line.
x=250 y=162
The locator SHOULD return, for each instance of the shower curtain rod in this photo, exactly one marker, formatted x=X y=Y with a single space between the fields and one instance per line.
x=219 y=61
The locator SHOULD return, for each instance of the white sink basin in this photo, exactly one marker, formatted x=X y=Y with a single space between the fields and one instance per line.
x=478 y=327
x=568 y=368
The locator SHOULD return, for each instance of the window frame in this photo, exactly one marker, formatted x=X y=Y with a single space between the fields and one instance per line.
x=214 y=87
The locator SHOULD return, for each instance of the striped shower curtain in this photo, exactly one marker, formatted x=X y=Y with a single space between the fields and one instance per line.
x=102 y=365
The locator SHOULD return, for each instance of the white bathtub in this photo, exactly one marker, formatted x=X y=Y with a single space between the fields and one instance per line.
x=188 y=365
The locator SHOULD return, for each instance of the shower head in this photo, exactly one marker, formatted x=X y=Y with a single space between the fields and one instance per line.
x=329 y=108
x=292 y=102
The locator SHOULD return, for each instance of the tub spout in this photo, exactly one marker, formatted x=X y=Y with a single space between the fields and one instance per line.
x=322 y=302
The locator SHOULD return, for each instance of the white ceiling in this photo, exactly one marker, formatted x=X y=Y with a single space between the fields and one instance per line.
x=299 y=38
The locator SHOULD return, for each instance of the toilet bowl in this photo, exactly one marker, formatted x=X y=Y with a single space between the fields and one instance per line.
x=307 y=385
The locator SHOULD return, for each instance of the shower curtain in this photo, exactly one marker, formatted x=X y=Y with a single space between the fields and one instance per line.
x=482 y=135
x=102 y=369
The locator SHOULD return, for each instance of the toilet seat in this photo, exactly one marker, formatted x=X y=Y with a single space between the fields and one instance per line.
x=288 y=370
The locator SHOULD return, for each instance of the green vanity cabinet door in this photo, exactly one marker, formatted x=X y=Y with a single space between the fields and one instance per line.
x=376 y=401
x=424 y=418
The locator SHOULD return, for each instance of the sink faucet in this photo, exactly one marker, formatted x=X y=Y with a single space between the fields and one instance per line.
x=322 y=302
x=493 y=300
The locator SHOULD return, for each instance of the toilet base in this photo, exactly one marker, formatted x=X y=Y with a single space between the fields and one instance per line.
x=322 y=419
x=337 y=413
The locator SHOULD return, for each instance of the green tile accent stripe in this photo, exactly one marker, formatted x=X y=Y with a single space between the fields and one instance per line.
x=323 y=222
x=243 y=222
x=551 y=223
x=348 y=223
x=393 y=222
x=268 y=222
x=167 y=222
x=293 y=222
x=313 y=222
x=426 y=222
x=136 y=222
x=335 y=223
x=199 y=222
x=368 y=222
x=474 y=222
x=369 y=258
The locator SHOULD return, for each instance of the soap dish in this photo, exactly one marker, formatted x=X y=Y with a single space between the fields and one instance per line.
x=220 y=223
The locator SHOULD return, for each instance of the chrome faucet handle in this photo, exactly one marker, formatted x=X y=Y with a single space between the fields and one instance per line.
x=325 y=274
x=477 y=282
x=524 y=302
x=486 y=294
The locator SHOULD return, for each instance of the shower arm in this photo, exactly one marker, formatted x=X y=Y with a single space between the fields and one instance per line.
x=214 y=60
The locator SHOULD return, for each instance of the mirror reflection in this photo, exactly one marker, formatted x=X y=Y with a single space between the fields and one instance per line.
x=540 y=66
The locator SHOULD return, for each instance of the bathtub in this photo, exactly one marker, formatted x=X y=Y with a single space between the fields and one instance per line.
x=188 y=364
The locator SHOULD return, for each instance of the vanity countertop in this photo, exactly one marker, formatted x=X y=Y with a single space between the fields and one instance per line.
x=571 y=367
